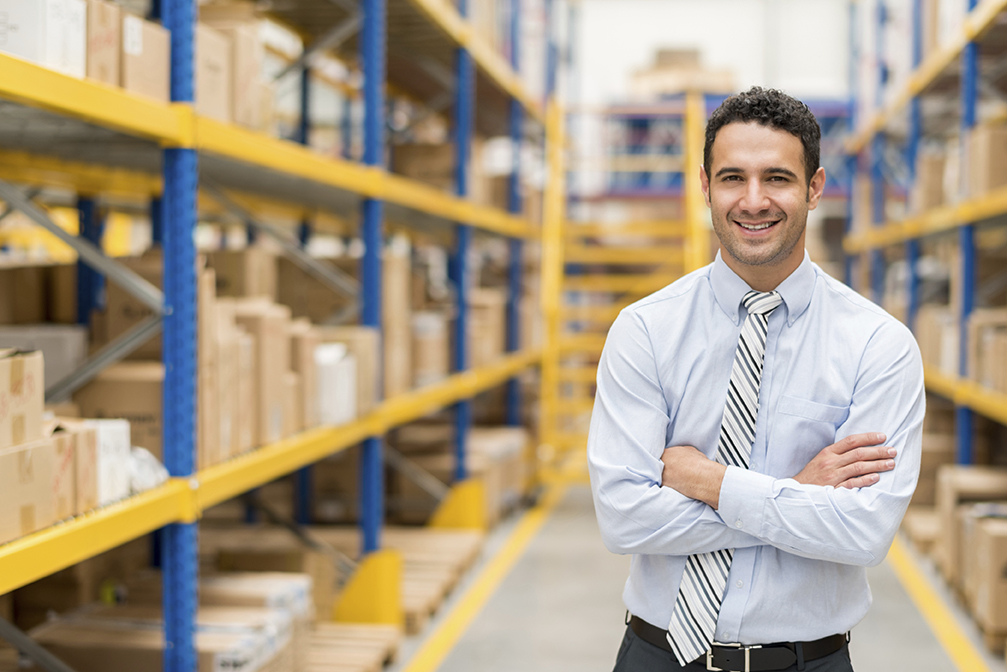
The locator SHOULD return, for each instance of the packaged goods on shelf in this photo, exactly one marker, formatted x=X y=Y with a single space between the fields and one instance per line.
x=957 y=485
x=305 y=295
x=937 y=333
x=432 y=164
x=51 y=33
x=990 y=553
x=84 y=446
x=213 y=74
x=922 y=526
x=363 y=343
x=396 y=312
x=335 y=481
x=293 y=414
x=338 y=380
x=246 y=69
x=113 y=440
x=237 y=375
x=22 y=294
x=950 y=21
x=61 y=293
x=22 y=390
x=123 y=311
x=104 y=41
x=987 y=159
x=146 y=58
x=487 y=325
x=268 y=323
x=304 y=338
x=938 y=450
x=247 y=377
x=27 y=476
x=63 y=346
x=131 y=638
x=970 y=517
x=251 y=272
x=431 y=347
x=132 y=391
x=928 y=189
x=987 y=348
x=208 y=391
x=678 y=70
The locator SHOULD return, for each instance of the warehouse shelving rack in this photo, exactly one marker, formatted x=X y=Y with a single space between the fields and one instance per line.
x=955 y=65
x=95 y=139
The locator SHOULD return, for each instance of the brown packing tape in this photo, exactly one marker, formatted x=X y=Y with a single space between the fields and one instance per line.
x=17 y=429
x=27 y=519
x=25 y=467
x=17 y=377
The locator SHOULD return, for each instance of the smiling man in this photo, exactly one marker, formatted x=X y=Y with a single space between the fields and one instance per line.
x=736 y=441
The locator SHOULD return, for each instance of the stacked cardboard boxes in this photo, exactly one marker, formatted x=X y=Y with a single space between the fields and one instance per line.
x=987 y=348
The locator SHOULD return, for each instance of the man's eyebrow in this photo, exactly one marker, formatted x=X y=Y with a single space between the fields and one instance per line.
x=730 y=170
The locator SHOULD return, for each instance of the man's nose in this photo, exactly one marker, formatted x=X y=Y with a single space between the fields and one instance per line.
x=755 y=198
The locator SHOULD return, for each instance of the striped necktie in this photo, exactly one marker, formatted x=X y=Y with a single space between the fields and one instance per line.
x=702 y=589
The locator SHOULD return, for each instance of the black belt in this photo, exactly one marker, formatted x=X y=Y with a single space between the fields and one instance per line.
x=738 y=658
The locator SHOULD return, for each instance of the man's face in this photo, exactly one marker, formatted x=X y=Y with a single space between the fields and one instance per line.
x=758 y=195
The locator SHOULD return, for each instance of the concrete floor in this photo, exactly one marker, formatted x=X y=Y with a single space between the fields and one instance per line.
x=561 y=609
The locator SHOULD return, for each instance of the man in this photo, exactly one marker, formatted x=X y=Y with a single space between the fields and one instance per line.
x=746 y=531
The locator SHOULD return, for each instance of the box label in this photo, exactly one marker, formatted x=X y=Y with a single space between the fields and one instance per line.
x=132 y=35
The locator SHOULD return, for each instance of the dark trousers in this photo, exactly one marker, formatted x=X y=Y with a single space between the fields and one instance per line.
x=636 y=655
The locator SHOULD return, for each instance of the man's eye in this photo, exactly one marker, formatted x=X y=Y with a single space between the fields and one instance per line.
x=732 y=178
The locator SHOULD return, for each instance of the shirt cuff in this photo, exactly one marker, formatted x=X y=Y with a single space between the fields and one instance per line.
x=743 y=494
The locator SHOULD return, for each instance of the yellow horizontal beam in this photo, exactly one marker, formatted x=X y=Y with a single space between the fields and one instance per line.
x=590 y=313
x=84 y=178
x=574 y=406
x=616 y=283
x=988 y=403
x=447 y=18
x=937 y=220
x=569 y=374
x=225 y=481
x=568 y=441
x=940 y=383
x=669 y=229
x=979 y=20
x=87 y=100
x=582 y=343
x=293 y=159
x=53 y=549
x=581 y=254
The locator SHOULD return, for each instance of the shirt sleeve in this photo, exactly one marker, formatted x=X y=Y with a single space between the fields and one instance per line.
x=629 y=426
x=839 y=524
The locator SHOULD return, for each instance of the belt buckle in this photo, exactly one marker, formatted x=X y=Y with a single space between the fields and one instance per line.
x=737 y=645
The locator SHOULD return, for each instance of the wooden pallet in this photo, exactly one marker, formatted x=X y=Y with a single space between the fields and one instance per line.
x=345 y=647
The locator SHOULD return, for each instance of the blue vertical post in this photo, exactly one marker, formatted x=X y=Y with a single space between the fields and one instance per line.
x=912 y=154
x=877 y=163
x=514 y=205
x=304 y=481
x=852 y=160
x=459 y=271
x=90 y=283
x=967 y=244
x=372 y=57
x=179 y=549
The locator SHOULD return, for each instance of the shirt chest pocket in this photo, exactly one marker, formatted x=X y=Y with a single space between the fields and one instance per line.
x=800 y=429
x=812 y=410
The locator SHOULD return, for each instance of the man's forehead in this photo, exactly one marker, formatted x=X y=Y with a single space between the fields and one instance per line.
x=756 y=142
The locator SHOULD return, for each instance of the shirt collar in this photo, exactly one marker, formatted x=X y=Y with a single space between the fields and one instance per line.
x=729 y=289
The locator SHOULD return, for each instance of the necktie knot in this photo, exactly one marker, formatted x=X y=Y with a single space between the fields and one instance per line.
x=762 y=303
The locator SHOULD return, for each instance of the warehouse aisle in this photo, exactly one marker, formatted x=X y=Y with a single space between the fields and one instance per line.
x=561 y=609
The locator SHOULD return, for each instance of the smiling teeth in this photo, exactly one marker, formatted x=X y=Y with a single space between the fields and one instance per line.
x=760 y=227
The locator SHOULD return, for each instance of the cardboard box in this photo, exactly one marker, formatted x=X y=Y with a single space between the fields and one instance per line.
x=303 y=340
x=123 y=311
x=104 y=41
x=928 y=189
x=132 y=391
x=63 y=346
x=27 y=503
x=307 y=296
x=85 y=462
x=338 y=382
x=113 y=440
x=956 y=485
x=145 y=59
x=247 y=395
x=923 y=526
x=487 y=326
x=396 y=319
x=244 y=273
x=213 y=74
x=208 y=448
x=990 y=557
x=22 y=391
x=61 y=293
x=938 y=450
x=431 y=164
x=987 y=159
x=336 y=481
x=293 y=415
x=228 y=362
x=247 y=54
x=269 y=324
x=22 y=294
x=431 y=347
x=363 y=344
x=51 y=33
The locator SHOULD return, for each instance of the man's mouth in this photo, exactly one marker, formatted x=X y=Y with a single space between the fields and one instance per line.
x=757 y=226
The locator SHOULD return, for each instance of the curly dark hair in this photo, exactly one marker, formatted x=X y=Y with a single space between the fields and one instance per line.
x=772 y=108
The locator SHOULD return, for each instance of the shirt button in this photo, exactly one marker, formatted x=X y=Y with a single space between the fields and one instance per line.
x=726 y=636
x=740 y=584
x=738 y=523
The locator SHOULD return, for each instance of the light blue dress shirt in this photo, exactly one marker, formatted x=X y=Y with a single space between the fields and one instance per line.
x=835 y=365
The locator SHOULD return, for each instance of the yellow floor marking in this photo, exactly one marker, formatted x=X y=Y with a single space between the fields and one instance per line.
x=935 y=611
x=443 y=639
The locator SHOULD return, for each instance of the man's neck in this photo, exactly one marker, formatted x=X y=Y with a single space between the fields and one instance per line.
x=763 y=278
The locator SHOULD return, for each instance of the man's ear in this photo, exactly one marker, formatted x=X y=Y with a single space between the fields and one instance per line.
x=704 y=180
x=816 y=188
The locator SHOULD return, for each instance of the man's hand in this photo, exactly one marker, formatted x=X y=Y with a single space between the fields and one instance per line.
x=854 y=462
x=693 y=474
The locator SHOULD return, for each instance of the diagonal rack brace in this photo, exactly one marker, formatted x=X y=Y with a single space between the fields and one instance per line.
x=330 y=40
x=333 y=278
x=115 y=351
x=30 y=648
x=417 y=474
x=89 y=254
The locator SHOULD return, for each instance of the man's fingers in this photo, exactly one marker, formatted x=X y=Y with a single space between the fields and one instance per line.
x=860 y=481
x=854 y=441
x=868 y=454
x=866 y=468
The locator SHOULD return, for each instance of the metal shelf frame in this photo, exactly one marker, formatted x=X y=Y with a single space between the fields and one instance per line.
x=962 y=218
x=188 y=144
